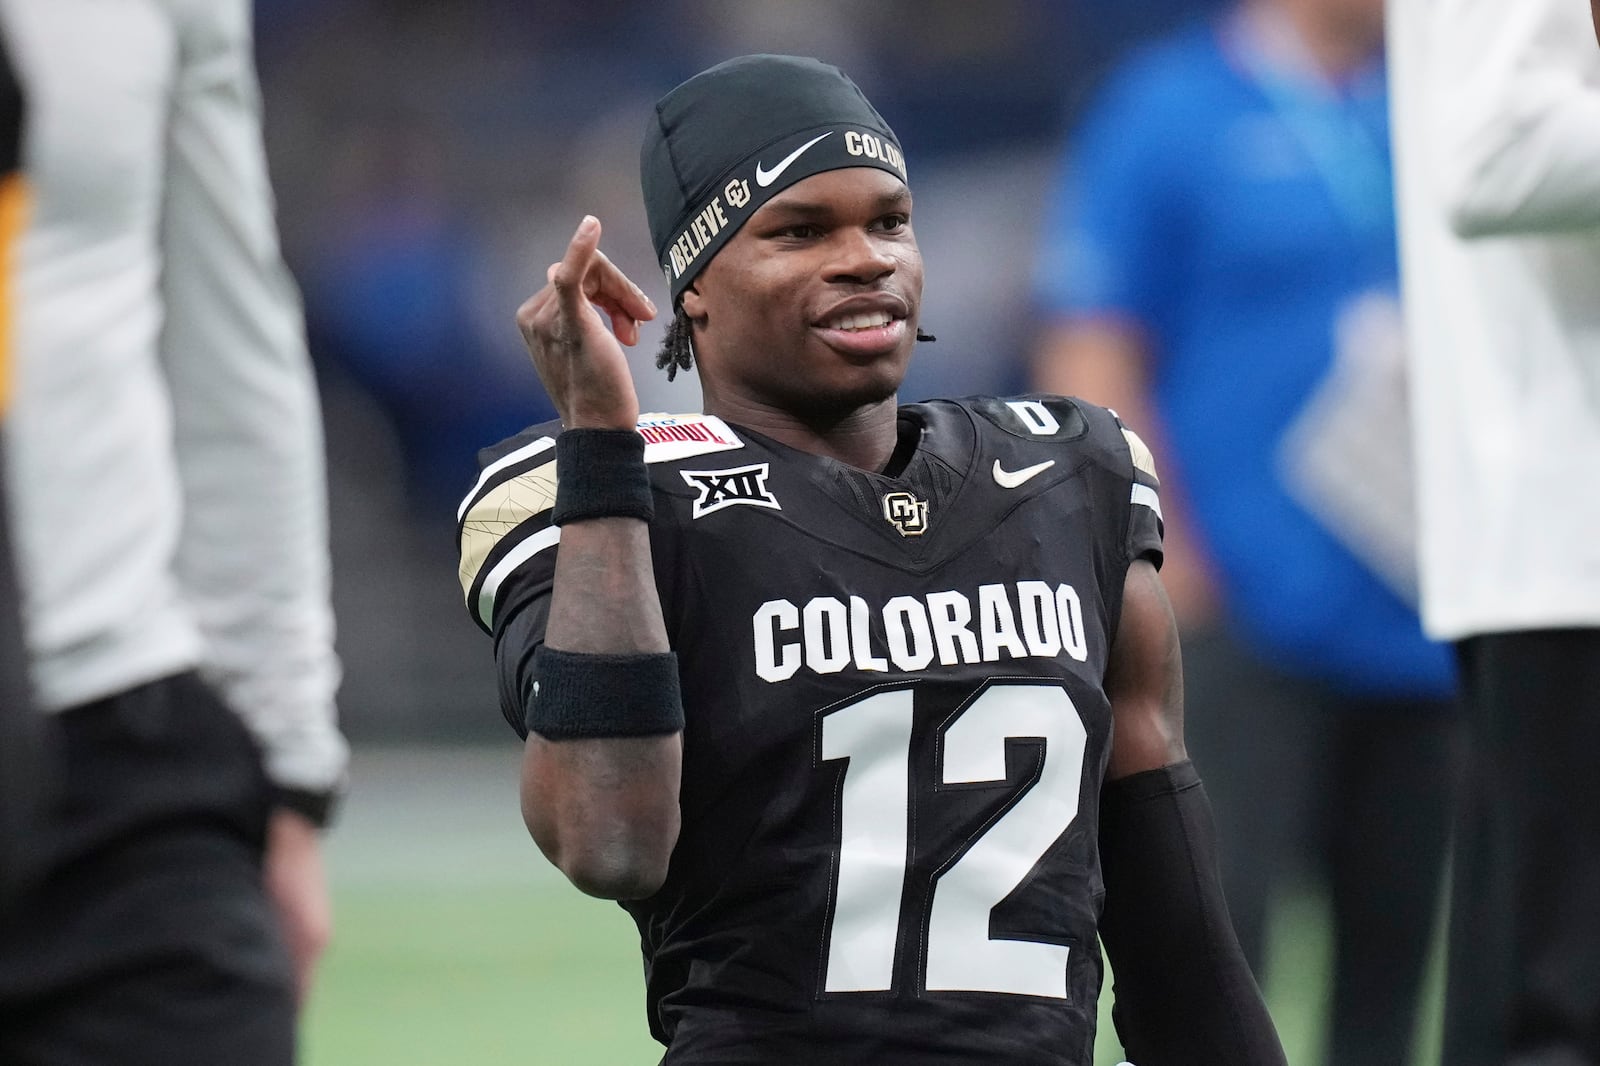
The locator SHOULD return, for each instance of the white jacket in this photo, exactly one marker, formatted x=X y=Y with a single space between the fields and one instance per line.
x=165 y=449
x=1496 y=122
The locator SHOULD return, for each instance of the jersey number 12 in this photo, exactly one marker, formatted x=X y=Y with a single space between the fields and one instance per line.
x=874 y=733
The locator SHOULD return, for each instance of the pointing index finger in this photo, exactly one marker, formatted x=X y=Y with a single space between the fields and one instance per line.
x=567 y=277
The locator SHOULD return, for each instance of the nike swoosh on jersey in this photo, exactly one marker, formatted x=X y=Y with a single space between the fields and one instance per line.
x=765 y=177
x=1010 y=479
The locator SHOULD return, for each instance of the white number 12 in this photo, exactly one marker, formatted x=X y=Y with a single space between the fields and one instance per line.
x=874 y=734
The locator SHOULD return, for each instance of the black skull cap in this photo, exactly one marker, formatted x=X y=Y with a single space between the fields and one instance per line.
x=730 y=138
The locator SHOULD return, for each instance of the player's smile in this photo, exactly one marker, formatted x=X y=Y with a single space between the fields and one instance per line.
x=867 y=326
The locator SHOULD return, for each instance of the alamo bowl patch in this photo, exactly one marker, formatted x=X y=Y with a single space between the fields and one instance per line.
x=669 y=437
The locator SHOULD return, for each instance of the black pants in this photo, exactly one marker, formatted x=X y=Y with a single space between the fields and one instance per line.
x=148 y=940
x=1523 y=982
x=21 y=760
x=1355 y=791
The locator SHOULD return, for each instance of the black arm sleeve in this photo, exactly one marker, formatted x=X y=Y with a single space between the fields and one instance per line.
x=1184 y=995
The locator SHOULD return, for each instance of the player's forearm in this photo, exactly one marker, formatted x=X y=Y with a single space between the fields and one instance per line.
x=605 y=591
x=604 y=810
x=1184 y=995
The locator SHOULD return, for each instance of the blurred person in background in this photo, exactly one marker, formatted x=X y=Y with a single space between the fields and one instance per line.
x=165 y=478
x=1222 y=269
x=1497 y=140
x=20 y=758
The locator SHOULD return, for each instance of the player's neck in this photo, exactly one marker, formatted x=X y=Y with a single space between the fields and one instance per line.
x=1310 y=33
x=865 y=438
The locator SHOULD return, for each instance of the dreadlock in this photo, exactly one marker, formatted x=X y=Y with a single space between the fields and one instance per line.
x=677 y=347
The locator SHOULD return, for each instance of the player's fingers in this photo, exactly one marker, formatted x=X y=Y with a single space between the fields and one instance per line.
x=606 y=281
x=623 y=321
x=626 y=329
x=547 y=313
x=541 y=323
x=569 y=277
x=532 y=309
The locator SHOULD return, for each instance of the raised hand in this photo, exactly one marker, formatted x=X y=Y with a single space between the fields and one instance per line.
x=579 y=360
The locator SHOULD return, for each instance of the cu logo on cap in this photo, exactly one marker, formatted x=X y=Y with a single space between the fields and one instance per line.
x=737 y=192
x=906 y=513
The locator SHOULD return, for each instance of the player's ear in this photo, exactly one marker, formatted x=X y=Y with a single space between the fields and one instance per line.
x=693 y=303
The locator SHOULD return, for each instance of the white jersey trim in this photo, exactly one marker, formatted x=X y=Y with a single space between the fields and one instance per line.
x=490 y=591
x=530 y=449
x=1145 y=495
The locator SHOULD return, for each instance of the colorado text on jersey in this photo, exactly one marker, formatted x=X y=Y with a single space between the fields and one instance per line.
x=1028 y=619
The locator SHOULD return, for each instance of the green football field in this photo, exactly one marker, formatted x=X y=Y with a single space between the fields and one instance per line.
x=456 y=943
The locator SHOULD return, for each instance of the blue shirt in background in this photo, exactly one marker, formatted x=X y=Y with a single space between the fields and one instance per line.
x=1231 y=213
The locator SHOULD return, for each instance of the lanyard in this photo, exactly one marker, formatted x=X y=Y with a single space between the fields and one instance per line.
x=1349 y=156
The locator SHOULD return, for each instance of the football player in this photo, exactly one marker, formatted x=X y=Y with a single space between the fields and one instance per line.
x=870 y=714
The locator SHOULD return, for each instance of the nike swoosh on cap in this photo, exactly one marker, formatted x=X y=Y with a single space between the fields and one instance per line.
x=765 y=177
x=1010 y=479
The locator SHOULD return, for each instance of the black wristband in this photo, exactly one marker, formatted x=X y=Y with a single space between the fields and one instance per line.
x=317 y=807
x=600 y=473
x=578 y=695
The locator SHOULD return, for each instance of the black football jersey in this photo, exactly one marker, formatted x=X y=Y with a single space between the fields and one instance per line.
x=896 y=724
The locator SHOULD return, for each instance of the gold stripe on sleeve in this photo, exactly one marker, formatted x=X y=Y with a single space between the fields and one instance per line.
x=1143 y=461
x=498 y=512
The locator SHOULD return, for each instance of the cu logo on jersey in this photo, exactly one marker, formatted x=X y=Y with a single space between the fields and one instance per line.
x=725 y=488
x=906 y=513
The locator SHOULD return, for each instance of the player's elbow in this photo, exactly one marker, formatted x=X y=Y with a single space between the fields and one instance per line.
x=607 y=854
x=614 y=875
x=605 y=810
